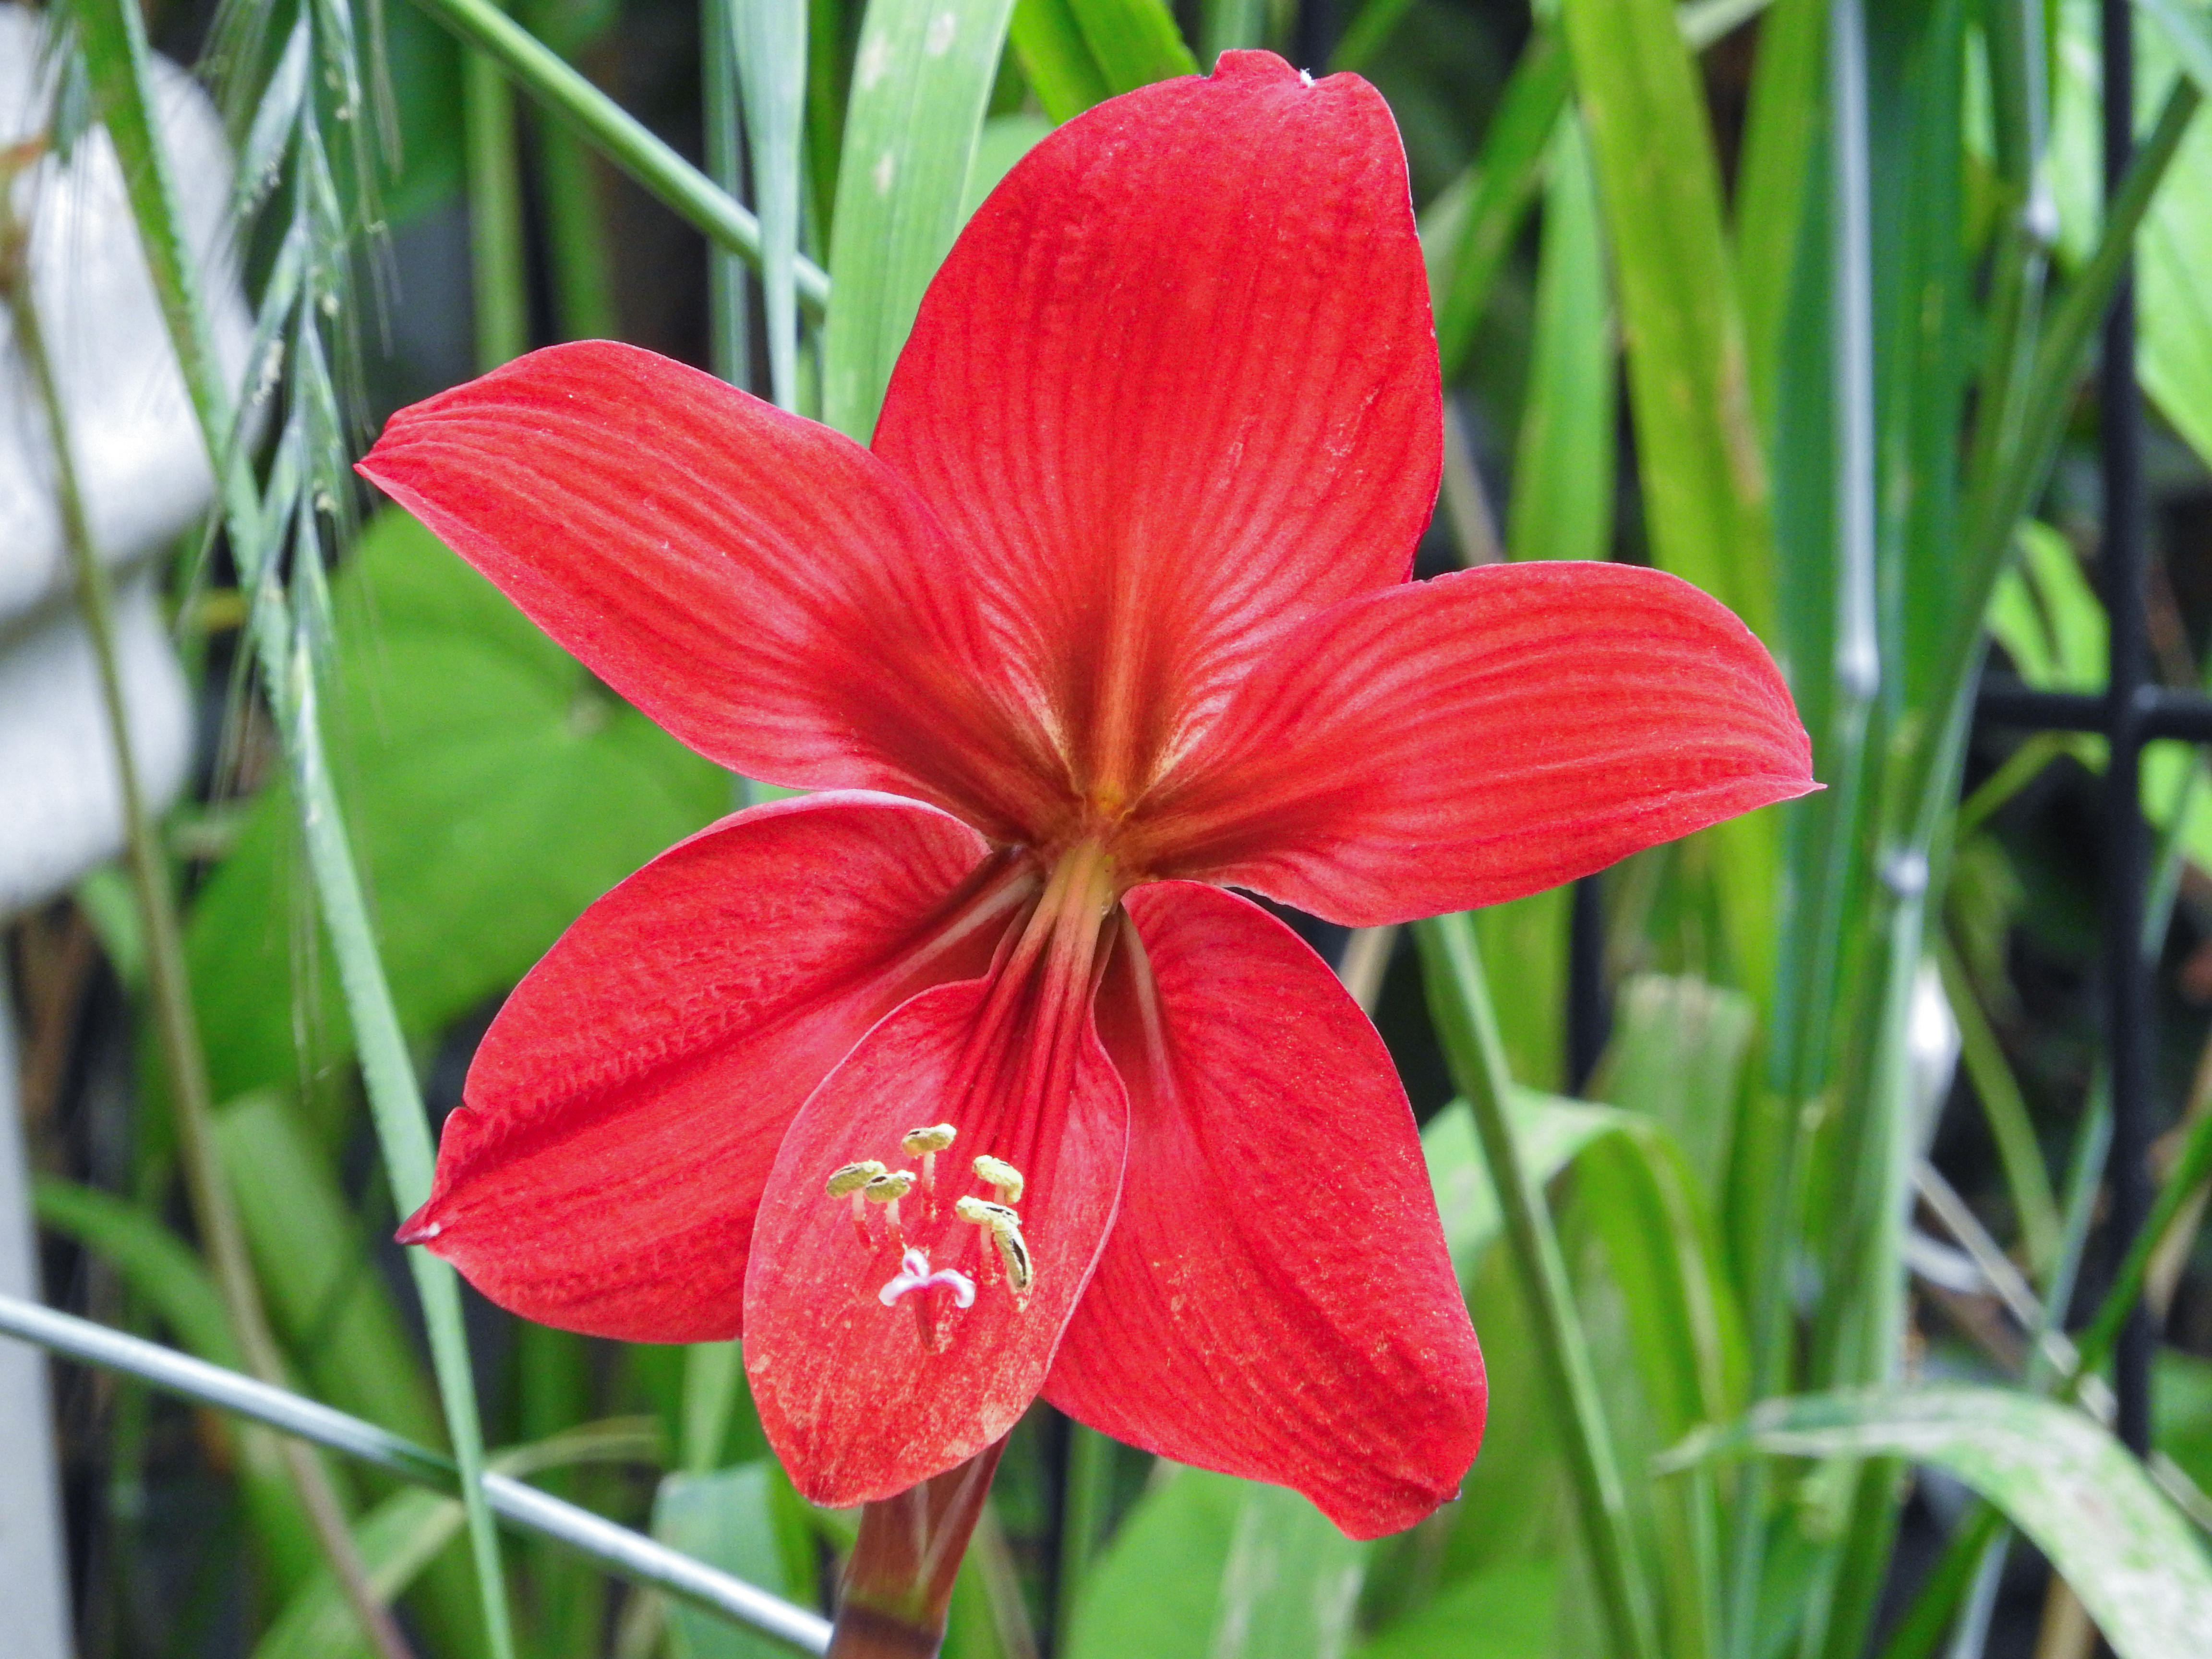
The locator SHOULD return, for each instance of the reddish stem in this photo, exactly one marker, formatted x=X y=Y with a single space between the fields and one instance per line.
x=898 y=1582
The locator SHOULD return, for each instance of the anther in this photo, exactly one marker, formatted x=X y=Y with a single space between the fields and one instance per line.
x=851 y=1182
x=981 y=1212
x=1014 y=1251
x=1001 y=1177
x=853 y=1176
x=1005 y=1228
x=926 y=1142
x=887 y=1189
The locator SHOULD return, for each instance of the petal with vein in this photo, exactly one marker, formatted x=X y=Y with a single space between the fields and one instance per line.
x=624 y=1109
x=1174 y=390
x=1275 y=1300
x=857 y=1401
x=1459 y=742
x=764 y=589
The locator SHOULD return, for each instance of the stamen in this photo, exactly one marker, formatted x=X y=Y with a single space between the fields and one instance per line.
x=926 y=1142
x=915 y=1273
x=1002 y=1177
x=983 y=1213
x=853 y=1180
x=853 y=1176
x=887 y=1189
x=1005 y=1228
x=1014 y=1251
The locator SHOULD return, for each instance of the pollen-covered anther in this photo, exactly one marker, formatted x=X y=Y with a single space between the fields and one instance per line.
x=926 y=1142
x=1000 y=1176
x=1004 y=1227
x=851 y=1181
x=887 y=1189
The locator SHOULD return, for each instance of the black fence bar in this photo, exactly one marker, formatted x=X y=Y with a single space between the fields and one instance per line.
x=2158 y=712
x=2127 y=839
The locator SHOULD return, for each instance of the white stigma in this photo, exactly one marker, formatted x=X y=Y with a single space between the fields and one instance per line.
x=915 y=1273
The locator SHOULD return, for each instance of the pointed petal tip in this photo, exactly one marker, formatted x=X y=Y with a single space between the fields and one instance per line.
x=421 y=1228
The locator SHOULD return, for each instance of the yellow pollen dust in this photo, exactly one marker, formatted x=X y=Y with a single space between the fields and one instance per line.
x=890 y=1187
x=933 y=1139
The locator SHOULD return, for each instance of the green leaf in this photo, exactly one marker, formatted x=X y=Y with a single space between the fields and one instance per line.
x=1467 y=242
x=1705 y=484
x=1677 y=1057
x=497 y=789
x=1562 y=481
x=1507 y=1612
x=1207 y=1566
x=2181 y=1404
x=401 y=1537
x=1780 y=142
x=1233 y=25
x=397 y=1539
x=1003 y=141
x=326 y=1297
x=163 y=1271
x=1077 y=53
x=1644 y=1203
x=769 y=38
x=729 y=1519
x=1551 y=1131
x=2058 y=1477
x=1056 y=59
x=2173 y=252
x=920 y=85
x=153 y=1261
x=1133 y=42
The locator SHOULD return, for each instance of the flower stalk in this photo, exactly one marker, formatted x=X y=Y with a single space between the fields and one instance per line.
x=897 y=1587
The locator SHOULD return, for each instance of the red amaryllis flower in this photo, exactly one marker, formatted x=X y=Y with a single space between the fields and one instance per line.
x=968 y=1078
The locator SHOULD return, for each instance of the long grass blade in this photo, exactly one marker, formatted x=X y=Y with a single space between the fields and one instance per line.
x=1704 y=473
x=619 y=136
x=922 y=83
x=769 y=38
x=499 y=285
x=120 y=62
x=1459 y=1001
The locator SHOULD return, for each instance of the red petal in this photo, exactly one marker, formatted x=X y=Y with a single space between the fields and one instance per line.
x=1459 y=742
x=1275 y=1301
x=768 y=592
x=623 y=1110
x=1174 y=390
x=856 y=1403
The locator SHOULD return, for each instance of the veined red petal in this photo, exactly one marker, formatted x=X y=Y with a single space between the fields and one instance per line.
x=1463 y=741
x=1275 y=1300
x=768 y=592
x=622 y=1112
x=858 y=1397
x=1174 y=390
